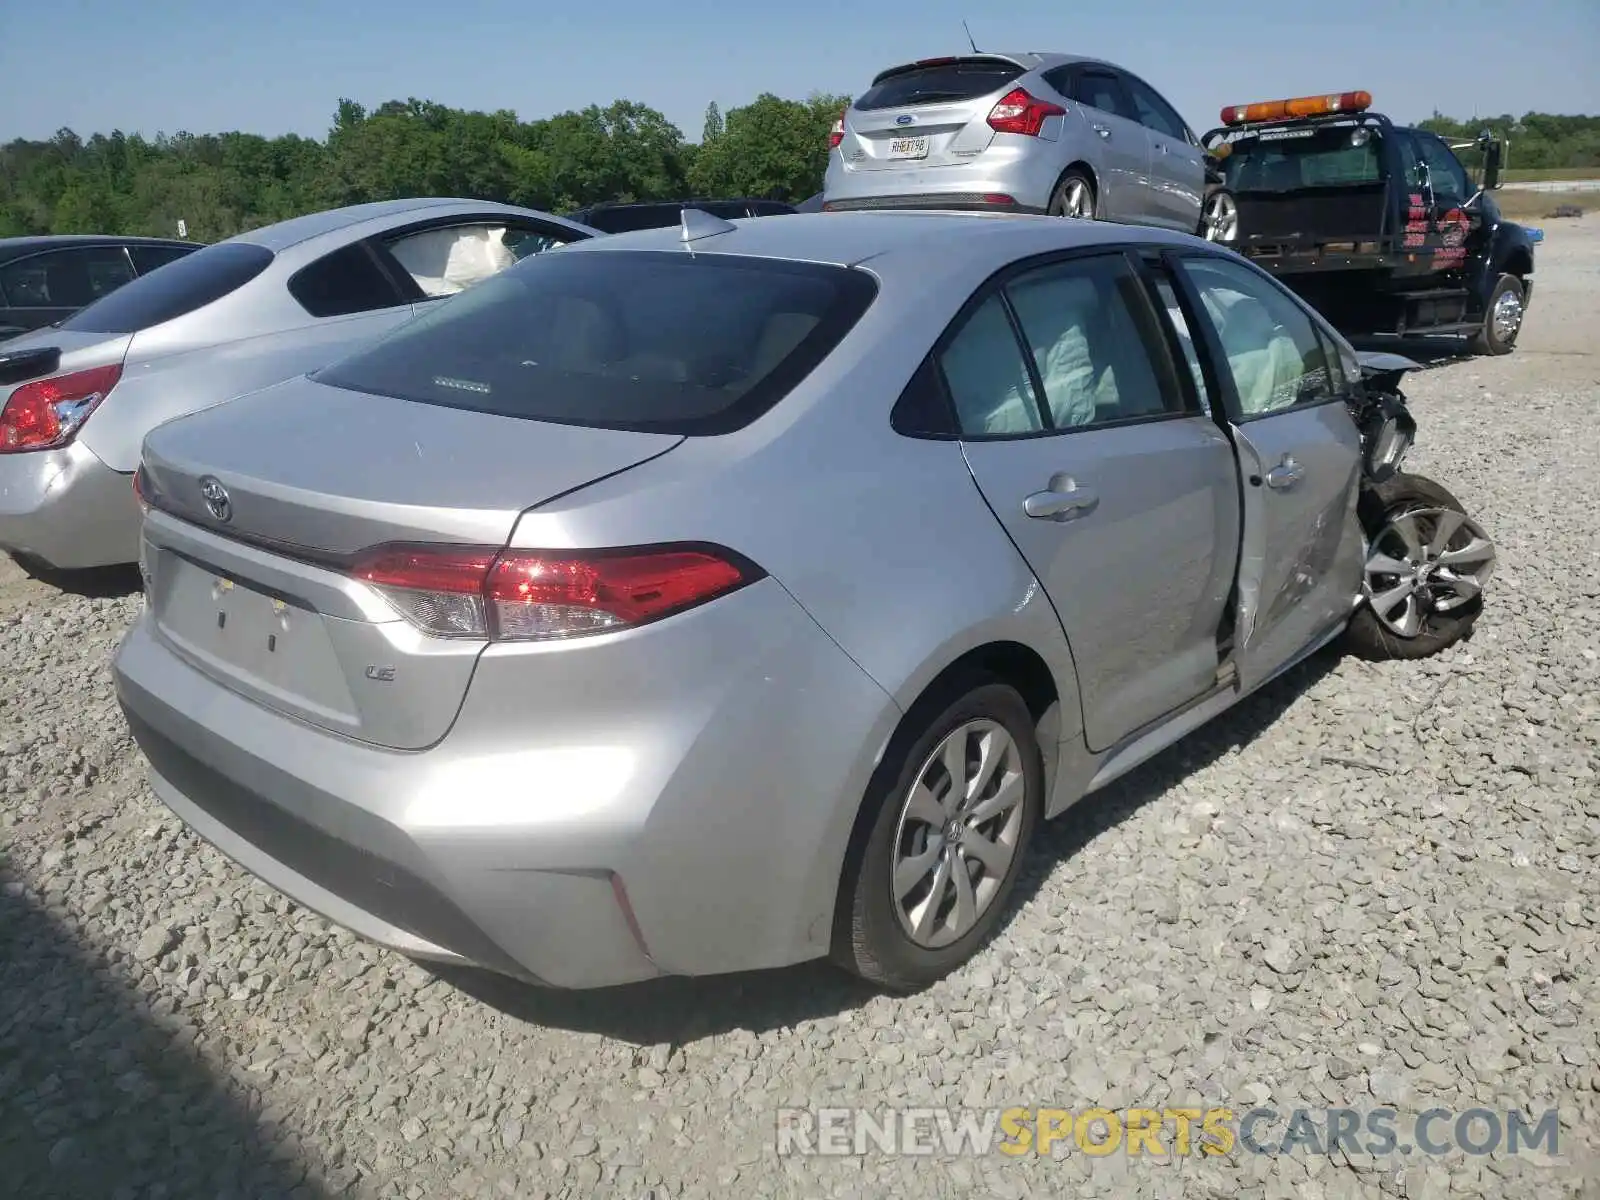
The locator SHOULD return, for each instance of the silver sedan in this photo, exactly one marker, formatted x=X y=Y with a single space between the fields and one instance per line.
x=77 y=399
x=728 y=596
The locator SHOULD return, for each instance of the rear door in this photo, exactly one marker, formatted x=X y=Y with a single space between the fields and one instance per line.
x=1092 y=451
x=1177 y=171
x=1283 y=394
x=932 y=113
x=1124 y=146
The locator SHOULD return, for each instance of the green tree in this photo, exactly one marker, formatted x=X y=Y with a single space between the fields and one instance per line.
x=713 y=127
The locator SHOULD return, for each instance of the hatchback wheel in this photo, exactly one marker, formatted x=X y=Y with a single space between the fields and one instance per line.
x=1220 y=220
x=1427 y=564
x=1074 y=197
x=942 y=838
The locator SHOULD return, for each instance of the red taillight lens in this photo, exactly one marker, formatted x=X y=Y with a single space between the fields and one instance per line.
x=48 y=413
x=1019 y=112
x=521 y=595
x=836 y=134
x=439 y=590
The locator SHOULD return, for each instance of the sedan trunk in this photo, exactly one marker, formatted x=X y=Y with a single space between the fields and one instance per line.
x=263 y=507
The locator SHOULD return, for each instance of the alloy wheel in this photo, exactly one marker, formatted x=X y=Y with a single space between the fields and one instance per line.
x=1426 y=561
x=1507 y=316
x=959 y=832
x=1221 y=218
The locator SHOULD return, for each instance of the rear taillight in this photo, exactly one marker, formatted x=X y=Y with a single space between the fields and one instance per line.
x=529 y=595
x=1019 y=112
x=836 y=134
x=48 y=413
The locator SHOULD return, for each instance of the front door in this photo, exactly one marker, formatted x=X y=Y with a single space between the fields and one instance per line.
x=1300 y=457
x=1119 y=492
x=1177 y=170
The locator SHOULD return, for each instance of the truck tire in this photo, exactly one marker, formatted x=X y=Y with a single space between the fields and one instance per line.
x=1427 y=562
x=1502 y=317
x=1075 y=196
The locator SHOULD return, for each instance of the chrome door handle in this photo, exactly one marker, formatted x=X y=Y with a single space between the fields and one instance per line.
x=1063 y=500
x=1103 y=130
x=1285 y=475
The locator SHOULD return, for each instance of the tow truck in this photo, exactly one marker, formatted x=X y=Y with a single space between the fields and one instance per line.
x=1379 y=226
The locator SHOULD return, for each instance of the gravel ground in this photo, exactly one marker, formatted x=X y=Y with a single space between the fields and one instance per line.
x=1369 y=884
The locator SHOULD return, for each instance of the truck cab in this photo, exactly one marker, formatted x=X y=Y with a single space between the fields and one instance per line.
x=1379 y=226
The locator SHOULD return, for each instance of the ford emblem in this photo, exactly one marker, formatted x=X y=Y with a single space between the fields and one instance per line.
x=904 y=119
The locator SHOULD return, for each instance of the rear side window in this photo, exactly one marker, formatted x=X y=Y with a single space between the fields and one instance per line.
x=1103 y=90
x=148 y=258
x=939 y=82
x=346 y=281
x=191 y=282
x=654 y=341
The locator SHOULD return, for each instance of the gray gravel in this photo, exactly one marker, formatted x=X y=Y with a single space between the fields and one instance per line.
x=1371 y=884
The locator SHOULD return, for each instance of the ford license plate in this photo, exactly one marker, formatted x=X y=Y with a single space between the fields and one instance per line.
x=909 y=147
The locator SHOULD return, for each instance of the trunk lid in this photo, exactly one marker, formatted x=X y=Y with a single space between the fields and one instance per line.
x=935 y=135
x=260 y=598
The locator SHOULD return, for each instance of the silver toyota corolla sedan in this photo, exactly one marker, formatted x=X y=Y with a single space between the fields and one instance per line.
x=77 y=399
x=724 y=597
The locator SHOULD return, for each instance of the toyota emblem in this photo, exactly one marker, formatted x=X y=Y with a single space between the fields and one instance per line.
x=216 y=498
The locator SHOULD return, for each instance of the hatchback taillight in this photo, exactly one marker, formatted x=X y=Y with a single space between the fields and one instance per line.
x=530 y=595
x=47 y=413
x=1020 y=112
x=836 y=134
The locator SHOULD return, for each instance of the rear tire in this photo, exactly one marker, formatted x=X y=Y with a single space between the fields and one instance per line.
x=1075 y=196
x=1502 y=317
x=1413 y=523
x=916 y=827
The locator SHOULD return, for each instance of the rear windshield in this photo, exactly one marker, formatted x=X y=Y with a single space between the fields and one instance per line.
x=934 y=83
x=646 y=340
x=179 y=287
x=1284 y=160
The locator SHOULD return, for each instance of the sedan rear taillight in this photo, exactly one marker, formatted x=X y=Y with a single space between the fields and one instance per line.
x=531 y=595
x=836 y=134
x=47 y=413
x=1020 y=112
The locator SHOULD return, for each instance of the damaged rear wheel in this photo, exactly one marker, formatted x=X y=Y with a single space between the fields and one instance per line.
x=1427 y=564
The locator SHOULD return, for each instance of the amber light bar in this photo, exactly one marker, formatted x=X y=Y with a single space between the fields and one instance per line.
x=1300 y=106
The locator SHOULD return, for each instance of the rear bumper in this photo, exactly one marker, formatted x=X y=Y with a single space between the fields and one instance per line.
x=686 y=816
x=67 y=509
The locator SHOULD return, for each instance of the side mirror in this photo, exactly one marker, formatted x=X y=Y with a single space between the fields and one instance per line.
x=1492 y=152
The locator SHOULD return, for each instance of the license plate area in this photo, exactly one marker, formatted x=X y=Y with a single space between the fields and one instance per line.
x=273 y=648
x=901 y=148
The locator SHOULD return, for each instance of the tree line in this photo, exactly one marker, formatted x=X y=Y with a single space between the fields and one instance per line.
x=222 y=184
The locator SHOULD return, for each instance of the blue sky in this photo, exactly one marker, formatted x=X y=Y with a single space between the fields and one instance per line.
x=280 y=66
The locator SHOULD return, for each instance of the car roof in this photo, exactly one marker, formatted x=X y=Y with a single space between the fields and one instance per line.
x=296 y=230
x=959 y=241
x=16 y=247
